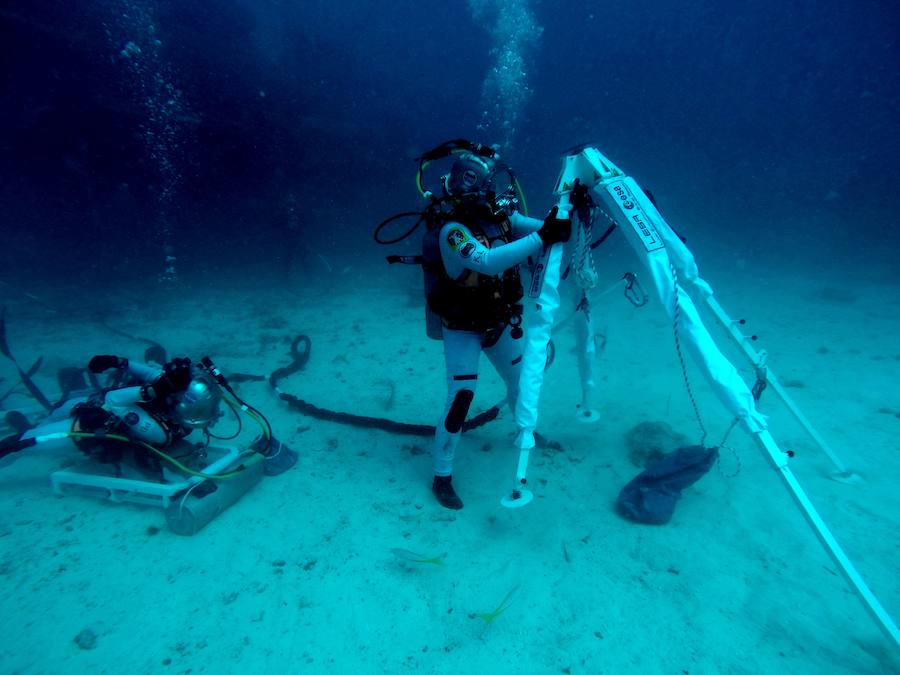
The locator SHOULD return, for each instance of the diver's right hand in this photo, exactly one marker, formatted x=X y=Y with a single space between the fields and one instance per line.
x=555 y=230
x=175 y=378
x=103 y=362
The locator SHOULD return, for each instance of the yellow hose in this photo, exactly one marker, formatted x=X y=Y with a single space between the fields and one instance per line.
x=253 y=458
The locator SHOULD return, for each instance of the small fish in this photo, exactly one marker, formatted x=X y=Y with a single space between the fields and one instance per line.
x=488 y=617
x=411 y=556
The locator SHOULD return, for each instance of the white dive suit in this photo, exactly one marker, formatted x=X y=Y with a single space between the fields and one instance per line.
x=478 y=307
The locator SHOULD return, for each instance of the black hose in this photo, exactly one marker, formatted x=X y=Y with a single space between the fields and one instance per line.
x=366 y=422
x=421 y=215
x=299 y=360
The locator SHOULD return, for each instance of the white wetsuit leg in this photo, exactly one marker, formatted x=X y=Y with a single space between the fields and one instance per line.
x=461 y=354
x=59 y=421
x=506 y=357
x=48 y=428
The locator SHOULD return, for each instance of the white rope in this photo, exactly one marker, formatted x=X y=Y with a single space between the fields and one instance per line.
x=582 y=259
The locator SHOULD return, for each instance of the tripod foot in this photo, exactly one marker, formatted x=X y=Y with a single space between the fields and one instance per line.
x=587 y=415
x=517 y=498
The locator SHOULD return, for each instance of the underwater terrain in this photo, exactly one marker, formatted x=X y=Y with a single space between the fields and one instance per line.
x=205 y=177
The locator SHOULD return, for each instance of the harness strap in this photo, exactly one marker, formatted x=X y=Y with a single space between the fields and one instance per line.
x=406 y=259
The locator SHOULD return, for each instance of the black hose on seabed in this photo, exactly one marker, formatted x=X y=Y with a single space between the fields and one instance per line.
x=299 y=360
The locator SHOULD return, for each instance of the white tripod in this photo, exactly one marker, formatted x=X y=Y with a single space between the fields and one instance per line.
x=674 y=272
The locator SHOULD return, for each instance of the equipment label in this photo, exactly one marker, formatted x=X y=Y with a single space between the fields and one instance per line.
x=633 y=215
x=456 y=238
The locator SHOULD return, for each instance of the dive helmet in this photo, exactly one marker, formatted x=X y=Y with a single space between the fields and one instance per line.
x=198 y=405
x=470 y=175
x=473 y=175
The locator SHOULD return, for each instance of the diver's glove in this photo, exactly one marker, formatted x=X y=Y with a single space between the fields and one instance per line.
x=103 y=362
x=555 y=230
x=175 y=378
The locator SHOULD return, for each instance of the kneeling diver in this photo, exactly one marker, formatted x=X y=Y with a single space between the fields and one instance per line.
x=157 y=407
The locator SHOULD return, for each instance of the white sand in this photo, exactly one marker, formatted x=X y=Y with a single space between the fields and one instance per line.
x=298 y=577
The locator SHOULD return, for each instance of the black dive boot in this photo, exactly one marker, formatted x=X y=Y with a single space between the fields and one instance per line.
x=15 y=443
x=442 y=488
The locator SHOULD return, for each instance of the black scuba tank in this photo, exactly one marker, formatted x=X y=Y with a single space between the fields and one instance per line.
x=431 y=269
x=488 y=304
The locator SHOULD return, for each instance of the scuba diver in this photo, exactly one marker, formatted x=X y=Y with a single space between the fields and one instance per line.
x=475 y=242
x=148 y=410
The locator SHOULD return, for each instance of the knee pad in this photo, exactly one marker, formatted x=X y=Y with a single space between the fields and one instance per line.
x=458 y=410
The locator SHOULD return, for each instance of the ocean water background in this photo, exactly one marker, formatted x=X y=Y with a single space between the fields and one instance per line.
x=223 y=130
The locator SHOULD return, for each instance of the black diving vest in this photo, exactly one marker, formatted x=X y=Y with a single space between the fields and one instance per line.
x=476 y=302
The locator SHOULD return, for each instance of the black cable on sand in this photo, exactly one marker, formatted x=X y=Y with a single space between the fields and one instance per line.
x=300 y=358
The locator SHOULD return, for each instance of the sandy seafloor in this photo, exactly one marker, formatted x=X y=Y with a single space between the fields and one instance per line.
x=298 y=576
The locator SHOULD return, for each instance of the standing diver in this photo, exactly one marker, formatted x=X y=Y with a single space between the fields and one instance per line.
x=471 y=258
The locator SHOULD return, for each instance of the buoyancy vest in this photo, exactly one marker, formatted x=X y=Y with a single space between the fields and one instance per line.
x=475 y=302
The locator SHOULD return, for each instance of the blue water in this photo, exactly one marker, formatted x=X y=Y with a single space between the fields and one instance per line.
x=776 y=122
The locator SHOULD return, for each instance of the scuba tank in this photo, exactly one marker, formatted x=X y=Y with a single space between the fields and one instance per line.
x=431 y=268
x=472 y=304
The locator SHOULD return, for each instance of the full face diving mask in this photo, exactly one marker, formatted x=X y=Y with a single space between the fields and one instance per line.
x=470 y=175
